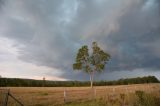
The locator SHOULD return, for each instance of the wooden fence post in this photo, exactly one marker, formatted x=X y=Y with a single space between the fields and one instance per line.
x=113 y=89
x=65 y=96
x=6 y=98
x=127 y=90
x=94 y=93
x=7 y=94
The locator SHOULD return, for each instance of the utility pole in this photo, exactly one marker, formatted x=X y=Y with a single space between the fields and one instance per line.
x=44 y=80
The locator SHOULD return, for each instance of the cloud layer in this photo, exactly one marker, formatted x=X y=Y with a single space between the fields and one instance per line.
x=49 y=33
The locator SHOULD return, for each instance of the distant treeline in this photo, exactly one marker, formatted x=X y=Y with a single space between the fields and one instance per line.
x=16 y=82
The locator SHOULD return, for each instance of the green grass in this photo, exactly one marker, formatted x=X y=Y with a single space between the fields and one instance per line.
x=43 y=93
x=140 y=98
x=88 y=103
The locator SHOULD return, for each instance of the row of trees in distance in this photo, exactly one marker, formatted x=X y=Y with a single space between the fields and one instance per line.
x=16 y=82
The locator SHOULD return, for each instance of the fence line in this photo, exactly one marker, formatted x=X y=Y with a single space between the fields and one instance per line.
x=93 y=93
x=7 y=94
x=68 y=94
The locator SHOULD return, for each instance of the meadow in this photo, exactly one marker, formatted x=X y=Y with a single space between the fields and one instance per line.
x=118 y=95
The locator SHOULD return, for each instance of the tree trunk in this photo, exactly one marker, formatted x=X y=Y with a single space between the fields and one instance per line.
x=91 y=79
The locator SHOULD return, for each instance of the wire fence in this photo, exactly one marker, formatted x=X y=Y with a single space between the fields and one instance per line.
x=4 y=97
x=32 y=96
x=112 y=92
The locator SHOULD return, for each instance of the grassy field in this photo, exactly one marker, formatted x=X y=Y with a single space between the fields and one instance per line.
x=122 y=95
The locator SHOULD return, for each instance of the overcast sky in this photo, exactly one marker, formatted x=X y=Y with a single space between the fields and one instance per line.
x=40 y=38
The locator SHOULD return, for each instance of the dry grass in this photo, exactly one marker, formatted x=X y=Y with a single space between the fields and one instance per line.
x=52 y=96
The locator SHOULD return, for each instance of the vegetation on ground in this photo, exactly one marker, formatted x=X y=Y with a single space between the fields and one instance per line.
x=119 y=95
x=16 y=82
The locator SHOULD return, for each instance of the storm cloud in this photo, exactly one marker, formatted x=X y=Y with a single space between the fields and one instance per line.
x=49 y=33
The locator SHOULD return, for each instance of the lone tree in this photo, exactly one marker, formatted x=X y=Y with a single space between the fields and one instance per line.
x=91 y=63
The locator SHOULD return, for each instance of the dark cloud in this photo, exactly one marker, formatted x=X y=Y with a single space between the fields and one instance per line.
x=136 y=38
x=2 y=2
x=49 y=33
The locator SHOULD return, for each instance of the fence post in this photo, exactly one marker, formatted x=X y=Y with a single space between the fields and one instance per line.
x=94 y=93
x=127 y=90
x=65 y=96
x=147 y=87
x=106 y=91
x=6 y=98
x=113 y=90
x=7 y=94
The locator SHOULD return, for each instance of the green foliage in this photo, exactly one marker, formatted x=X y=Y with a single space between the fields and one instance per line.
x=92 y=63
x=122 y=96
x=17 y=82
x=40 y=83
x=138 y=80
x=97 y=102
x=43 y=93
x=144 y=99
x=89 y=63
x=140 y=95
x=77 y=66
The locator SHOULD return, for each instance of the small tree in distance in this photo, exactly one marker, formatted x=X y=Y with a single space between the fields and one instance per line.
x=91 y=63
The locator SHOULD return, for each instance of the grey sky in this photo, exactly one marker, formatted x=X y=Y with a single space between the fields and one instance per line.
x=41 y=38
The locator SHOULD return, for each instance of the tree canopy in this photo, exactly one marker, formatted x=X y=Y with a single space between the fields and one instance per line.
x=90 y=63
